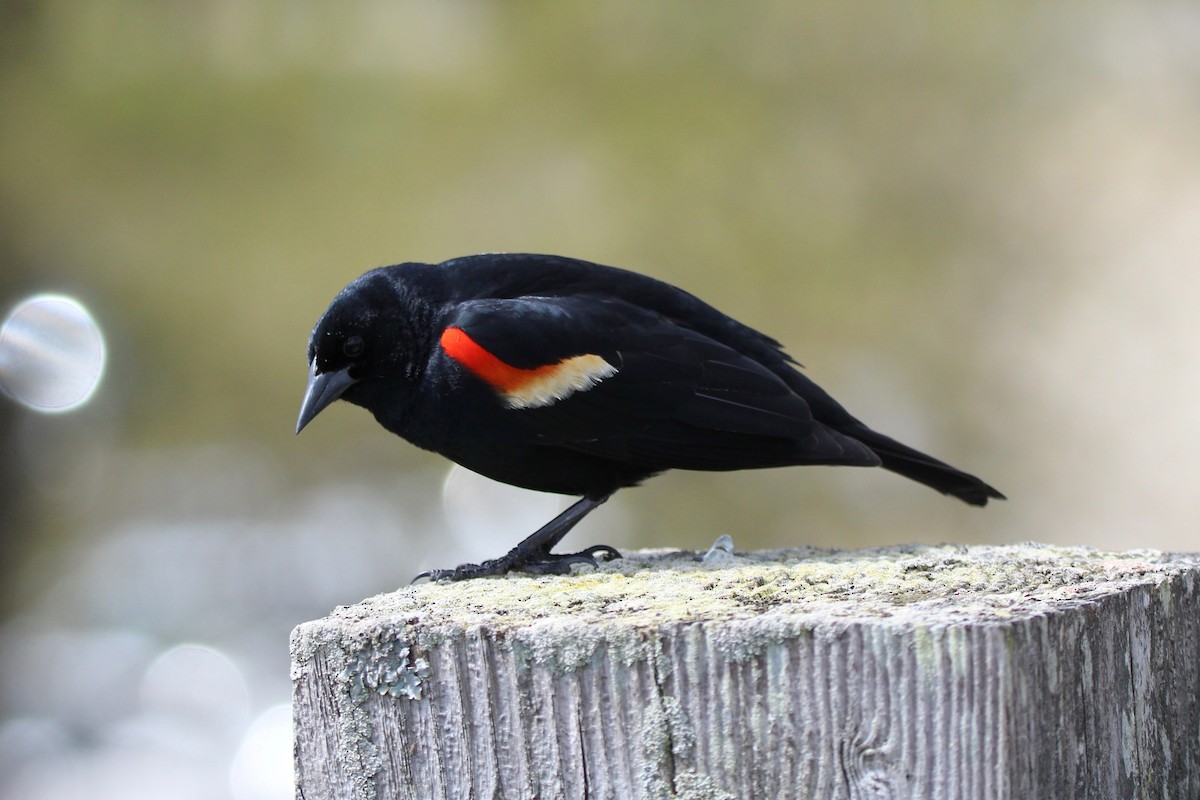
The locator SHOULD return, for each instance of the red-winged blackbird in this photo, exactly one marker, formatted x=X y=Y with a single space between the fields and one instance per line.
x=563 y=376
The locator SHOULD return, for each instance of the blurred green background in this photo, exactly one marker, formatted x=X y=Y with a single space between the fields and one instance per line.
x=975 y=223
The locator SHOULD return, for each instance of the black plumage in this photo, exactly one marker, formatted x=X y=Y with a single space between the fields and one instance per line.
x=564 y=376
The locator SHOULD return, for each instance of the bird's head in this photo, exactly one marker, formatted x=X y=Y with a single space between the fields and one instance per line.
x=361 y=342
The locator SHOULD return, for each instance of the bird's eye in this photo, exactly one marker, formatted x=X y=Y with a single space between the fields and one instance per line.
x=353 y=347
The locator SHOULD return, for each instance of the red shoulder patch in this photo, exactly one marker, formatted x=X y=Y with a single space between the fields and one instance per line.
x=526 y=388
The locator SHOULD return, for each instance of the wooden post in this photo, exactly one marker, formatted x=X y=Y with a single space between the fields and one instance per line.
x=901 y=672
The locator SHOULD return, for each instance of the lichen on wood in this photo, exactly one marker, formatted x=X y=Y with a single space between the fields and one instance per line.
x=911 y=671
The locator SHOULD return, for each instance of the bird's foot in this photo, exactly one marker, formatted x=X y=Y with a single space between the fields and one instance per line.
x=533 y=560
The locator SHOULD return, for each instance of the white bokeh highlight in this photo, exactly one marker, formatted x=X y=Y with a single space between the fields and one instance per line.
x=52 y=354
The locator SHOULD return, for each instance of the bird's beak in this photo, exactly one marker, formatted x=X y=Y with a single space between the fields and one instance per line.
x=323 y=389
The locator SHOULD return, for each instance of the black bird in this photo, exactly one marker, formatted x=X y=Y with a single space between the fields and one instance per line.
x=564 y=376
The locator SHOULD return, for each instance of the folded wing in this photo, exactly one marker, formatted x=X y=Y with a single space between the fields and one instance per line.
x=608 y=378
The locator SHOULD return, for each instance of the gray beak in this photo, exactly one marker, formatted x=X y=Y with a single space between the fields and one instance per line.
x=323 y=389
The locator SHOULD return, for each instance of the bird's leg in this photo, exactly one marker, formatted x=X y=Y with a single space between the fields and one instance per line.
x=533 y=553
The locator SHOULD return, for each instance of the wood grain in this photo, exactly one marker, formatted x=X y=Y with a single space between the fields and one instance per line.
x=904 y=672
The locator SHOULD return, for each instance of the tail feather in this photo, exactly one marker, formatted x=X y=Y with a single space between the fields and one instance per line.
x=917 y=466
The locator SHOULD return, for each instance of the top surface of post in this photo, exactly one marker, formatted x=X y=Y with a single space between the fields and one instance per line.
x=903 y=585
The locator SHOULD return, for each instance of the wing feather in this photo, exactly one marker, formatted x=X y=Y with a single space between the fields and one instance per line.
x=669 y=396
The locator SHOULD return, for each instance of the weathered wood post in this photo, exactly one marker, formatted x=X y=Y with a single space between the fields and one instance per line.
x=901 y=672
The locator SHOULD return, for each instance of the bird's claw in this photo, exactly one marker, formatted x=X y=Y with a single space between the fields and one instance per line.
x=553 y=564
x=536 y=562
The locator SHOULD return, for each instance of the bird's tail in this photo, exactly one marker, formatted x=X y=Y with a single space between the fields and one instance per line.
x=921 y=468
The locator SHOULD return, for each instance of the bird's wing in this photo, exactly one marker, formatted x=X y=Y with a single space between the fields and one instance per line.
x=603 y=376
